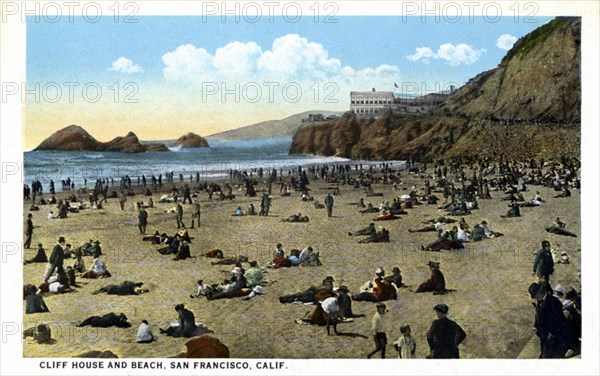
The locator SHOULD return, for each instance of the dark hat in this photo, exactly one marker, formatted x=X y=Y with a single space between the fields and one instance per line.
x=96 y=241
x=29 y=215
x=329 y=278
x=534 y=289
x=61 y=239
x=396 y=269
x=441 y=308
x=179 y=307
x=343 y=288
x=483 y=222
x=433 y=263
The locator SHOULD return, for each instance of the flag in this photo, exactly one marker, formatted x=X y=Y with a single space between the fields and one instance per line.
x=395 y=85
x=373 y=89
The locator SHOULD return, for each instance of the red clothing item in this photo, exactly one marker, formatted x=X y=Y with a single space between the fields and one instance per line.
x=383 y=290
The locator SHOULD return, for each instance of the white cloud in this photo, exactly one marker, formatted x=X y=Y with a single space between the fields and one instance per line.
x=506 y=41
x=454 y=55
x=185 y=60
x=124 y=65
x=421 y=53
x=291 y=58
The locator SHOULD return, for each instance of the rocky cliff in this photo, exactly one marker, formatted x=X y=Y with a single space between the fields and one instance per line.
x=75 y=138
x=191 y=140
x=528 y=106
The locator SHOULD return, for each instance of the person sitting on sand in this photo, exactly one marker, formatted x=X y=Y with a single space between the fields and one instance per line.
x=381 y=236
x=237 y=288
x=309 y=257
x=35 y=303
x=97 y=270
x=344 y=302
x=565 y=193
x=462 y=235
x=105 y=321
x=186 y=323
x=436 y=281
x=382 y=289
x=396 y=278
x=95 y=249
x=385 y=215
x=513 y=211
x=144 y=333
x=254 y=275
x=184 y=251
x=79 y=264
x=251 y=210
x=40 y=256
x=203 y=289
x=125 y=288
x=315 y=317
x=369 y=230
x=369 y=209
x=238 y=212
x=173 y=246
x=442 y=236
x=537 y=200
x=489 y=233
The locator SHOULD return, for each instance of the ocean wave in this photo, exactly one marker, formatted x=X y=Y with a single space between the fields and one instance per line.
x=175 y=148
x=94 y=156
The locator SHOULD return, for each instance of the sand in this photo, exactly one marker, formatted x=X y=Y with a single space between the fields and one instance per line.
x=488 y=279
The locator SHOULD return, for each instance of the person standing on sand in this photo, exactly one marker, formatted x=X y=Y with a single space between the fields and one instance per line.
x=543 y=265
x=329 y=204
x=444 y=335
x=122 y=200
x=195 y=213
x=265 y=204
x=378 y=326
x=142 y=220
x=179 y=215
x=56 y=260
x=28 y=232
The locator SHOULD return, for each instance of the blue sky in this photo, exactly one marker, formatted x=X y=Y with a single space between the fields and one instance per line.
x=170 y=59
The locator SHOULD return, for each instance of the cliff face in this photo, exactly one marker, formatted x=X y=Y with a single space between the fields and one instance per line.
x=191 y=140
x=75 y=138
x=528 y=106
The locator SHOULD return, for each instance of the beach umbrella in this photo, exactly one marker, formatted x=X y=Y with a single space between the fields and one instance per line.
x=206 y=347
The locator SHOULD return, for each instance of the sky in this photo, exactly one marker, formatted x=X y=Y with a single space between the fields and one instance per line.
x=164 y=76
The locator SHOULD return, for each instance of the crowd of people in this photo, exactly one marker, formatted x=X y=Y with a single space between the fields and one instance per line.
x=559 y=333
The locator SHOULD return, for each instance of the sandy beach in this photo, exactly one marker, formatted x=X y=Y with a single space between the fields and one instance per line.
x=488 y=279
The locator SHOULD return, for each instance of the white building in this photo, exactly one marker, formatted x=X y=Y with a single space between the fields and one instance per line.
x=371 y=103
x=375 y=103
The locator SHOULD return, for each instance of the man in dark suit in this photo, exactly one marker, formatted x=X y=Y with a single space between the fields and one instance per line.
x=56 y=259
x=543 y=265
x=444 y=335
x=28 y=232
x=329 y=204
x=550 y=324
x=143 y=220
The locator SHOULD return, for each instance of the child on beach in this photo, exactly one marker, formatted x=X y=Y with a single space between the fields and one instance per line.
x=405 y=345
x=378 y=326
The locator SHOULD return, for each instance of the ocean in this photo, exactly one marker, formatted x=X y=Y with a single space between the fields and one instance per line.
x=212 y=163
